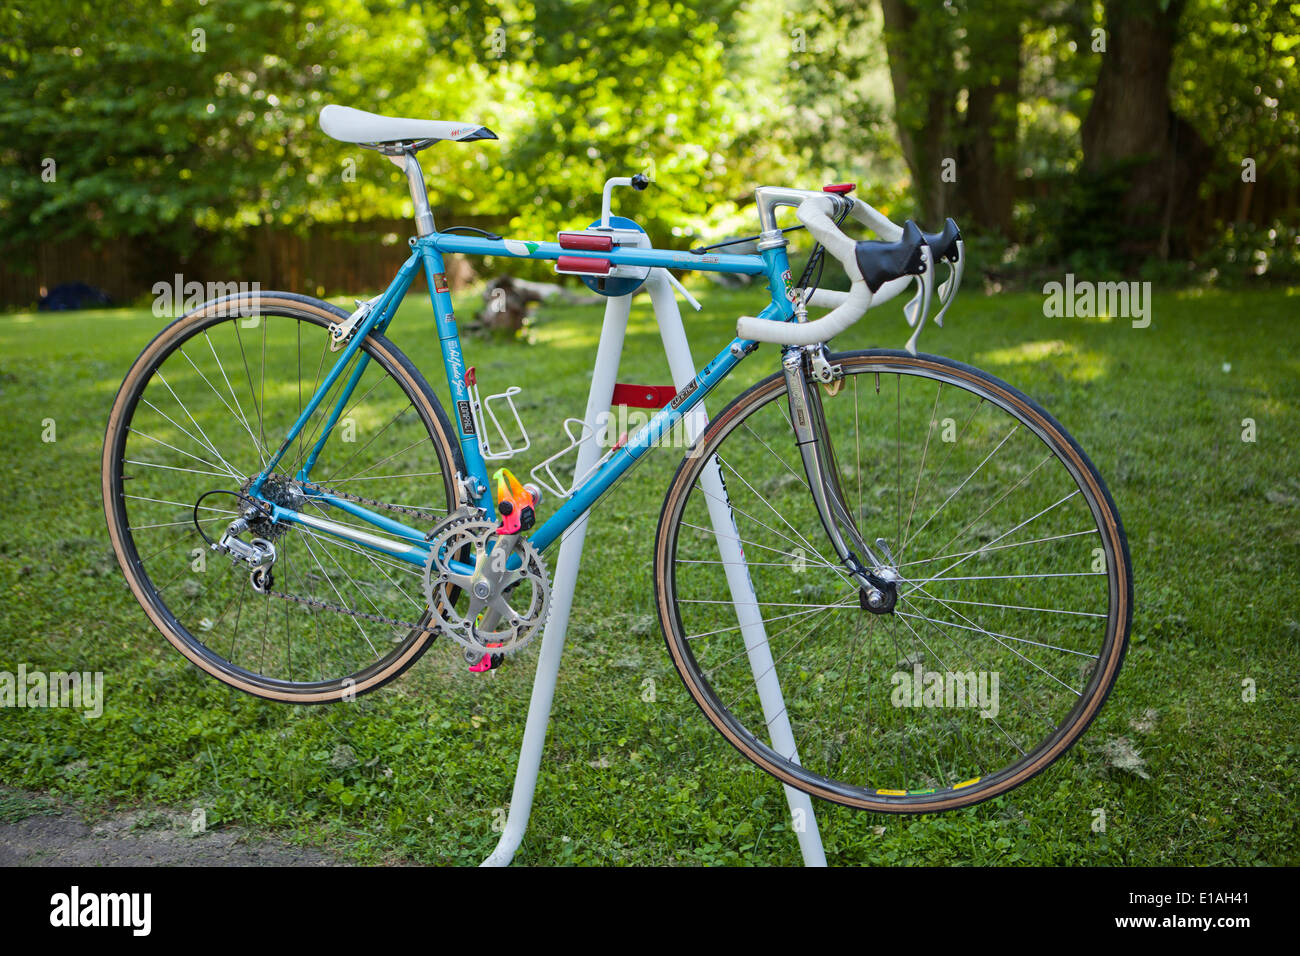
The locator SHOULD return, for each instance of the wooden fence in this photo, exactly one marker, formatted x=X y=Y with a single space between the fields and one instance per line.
x=327 y=259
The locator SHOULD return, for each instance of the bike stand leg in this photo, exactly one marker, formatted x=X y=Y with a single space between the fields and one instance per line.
x=752 y=631
x=604 y=375
x=603 y=378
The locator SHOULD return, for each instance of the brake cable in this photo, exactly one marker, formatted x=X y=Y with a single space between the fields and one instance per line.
x=700 y=250
x=817 y=260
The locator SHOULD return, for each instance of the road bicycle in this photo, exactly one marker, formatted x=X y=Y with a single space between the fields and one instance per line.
x=922 y=555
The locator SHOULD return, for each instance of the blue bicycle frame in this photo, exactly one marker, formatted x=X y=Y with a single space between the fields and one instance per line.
x=409 y=544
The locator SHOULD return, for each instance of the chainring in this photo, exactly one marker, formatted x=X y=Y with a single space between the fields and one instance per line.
x=493 y=608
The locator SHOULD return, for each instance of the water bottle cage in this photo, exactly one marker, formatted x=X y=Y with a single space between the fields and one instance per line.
x=502 y=445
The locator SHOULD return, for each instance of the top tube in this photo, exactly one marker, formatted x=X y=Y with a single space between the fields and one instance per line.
x=619 y=255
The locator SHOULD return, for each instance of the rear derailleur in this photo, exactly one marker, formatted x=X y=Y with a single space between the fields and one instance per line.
x=258 y=554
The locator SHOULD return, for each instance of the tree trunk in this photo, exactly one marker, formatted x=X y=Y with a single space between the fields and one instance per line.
x=966 y=170
x=922 y=115
x=986 y=180
x=1131 y=129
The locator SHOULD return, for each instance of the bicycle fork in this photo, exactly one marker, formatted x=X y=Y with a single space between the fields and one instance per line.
x=877 y=579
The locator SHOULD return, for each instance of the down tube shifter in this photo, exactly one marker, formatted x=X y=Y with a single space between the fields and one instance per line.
x=876 y=579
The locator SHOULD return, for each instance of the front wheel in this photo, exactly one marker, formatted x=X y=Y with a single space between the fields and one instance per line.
x=1012 y=613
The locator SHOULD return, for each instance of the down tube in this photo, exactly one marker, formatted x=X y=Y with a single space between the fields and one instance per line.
x=591 y=491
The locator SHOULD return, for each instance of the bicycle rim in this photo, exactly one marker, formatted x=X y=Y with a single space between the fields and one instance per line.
x=1014 y=562
x=190 y=418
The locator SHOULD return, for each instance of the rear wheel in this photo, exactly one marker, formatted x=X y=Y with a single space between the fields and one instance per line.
x=1012 y=614
x=199 y=414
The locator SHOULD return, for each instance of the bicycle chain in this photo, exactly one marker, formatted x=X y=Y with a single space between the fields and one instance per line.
x=319 y=605
x=361 y=500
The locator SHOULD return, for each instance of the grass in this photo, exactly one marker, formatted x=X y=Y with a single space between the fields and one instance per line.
x=1185 y=769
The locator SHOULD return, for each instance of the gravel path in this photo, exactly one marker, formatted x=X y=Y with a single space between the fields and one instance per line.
x=36 y=831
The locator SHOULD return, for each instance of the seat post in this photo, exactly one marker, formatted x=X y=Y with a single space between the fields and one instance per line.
x=419 y=196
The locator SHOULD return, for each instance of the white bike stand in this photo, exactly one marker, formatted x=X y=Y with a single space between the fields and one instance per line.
x=599 y=400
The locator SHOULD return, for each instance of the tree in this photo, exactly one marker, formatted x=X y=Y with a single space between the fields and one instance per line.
x=1131 y=129
x=987 y=133
x=180 y=120
x=918 y=38
x=1234 y=78
x=956 y=76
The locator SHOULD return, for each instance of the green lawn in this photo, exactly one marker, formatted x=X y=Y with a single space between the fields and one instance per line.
x=420 y=770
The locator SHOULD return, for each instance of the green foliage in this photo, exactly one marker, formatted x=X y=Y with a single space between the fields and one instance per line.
x=838 y=114
x=166 y=117
x=1080 y=217
x=1245 y=252
x=1057 y=73
x=158 y=129
x=599 y=92
x=1235 y=79
x=184 y=125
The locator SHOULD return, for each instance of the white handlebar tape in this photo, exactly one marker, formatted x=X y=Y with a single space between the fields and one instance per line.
x=830 y=299
x=873 y=219
x=849 y=306
x=827 y=299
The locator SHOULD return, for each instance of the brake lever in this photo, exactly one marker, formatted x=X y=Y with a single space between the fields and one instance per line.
x=946 y=245
x=914 y=304
x=927 y=293
x=948 y=291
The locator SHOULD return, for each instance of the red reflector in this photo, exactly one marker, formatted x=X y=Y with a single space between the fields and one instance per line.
x=586 y=241
x=470 y=378
x=643 y=396
x=841 y=188
x=596 y=267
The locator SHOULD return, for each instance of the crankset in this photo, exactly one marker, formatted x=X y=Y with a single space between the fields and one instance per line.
x=487 y=588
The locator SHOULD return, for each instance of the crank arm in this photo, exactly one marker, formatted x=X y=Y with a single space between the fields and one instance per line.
x=493 y=567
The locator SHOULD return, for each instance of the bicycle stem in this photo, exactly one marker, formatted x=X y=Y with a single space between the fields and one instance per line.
x=813 y=441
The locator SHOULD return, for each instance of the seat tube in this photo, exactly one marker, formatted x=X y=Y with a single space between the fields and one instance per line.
x=454 y=363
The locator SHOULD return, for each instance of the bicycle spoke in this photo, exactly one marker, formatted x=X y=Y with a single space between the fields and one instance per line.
x=1001 y=547
x=261 y=424
x=1022 y=524
x=221 y=398
x=746 y=541
x=926 y=523
x=929 y=430
x=998 y=639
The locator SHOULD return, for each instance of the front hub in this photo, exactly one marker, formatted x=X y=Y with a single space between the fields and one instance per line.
x=880 y=596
